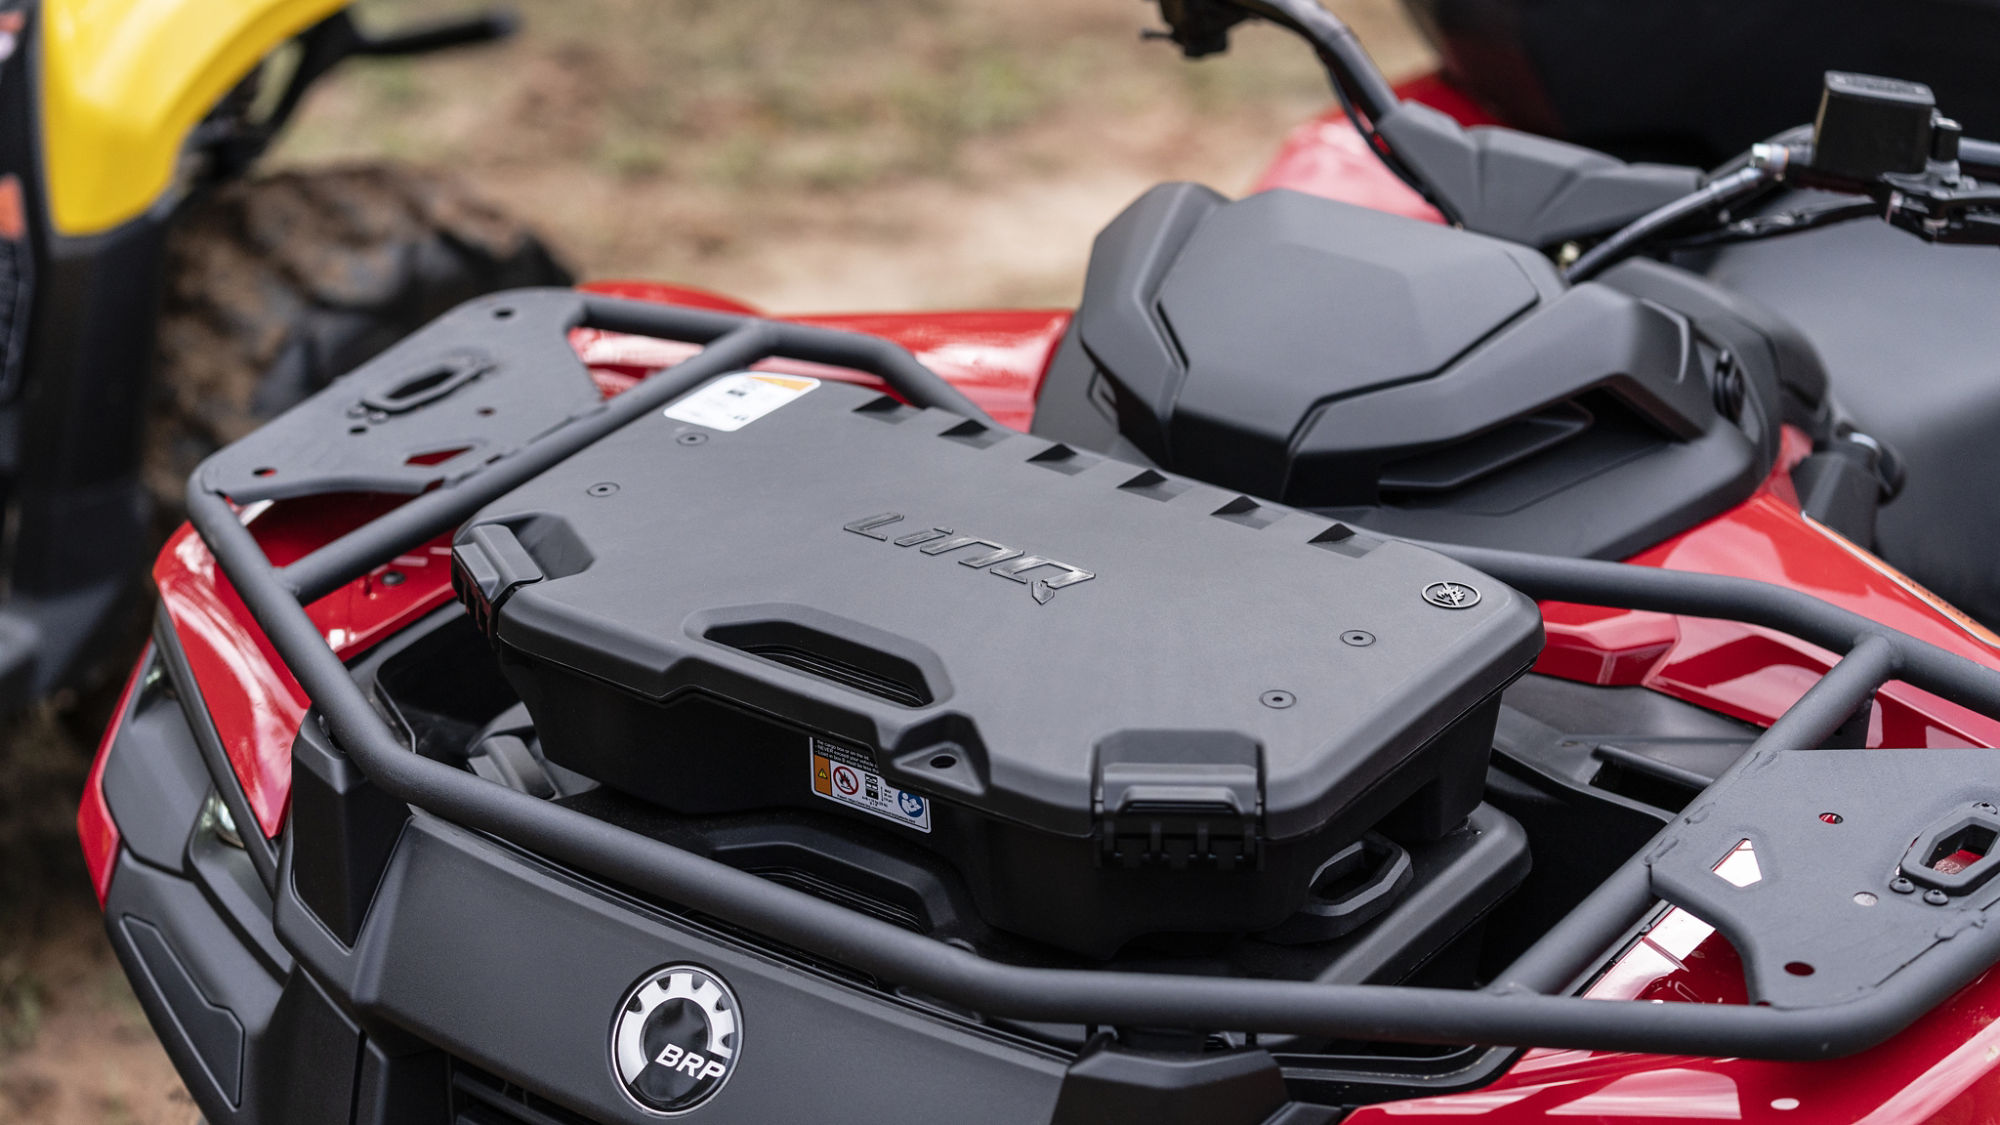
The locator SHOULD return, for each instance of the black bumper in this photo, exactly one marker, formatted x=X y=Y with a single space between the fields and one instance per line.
x=482 y=984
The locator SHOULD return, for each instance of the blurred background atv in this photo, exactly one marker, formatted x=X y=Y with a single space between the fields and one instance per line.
x=155 y=302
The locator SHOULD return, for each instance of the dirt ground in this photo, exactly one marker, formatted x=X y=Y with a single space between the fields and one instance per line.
x=801 y=156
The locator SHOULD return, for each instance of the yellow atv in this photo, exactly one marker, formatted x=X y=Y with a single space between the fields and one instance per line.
x=155 y=302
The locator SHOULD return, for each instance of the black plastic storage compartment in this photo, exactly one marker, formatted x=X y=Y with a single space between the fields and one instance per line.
x=1418 y=380
x=1175 y=706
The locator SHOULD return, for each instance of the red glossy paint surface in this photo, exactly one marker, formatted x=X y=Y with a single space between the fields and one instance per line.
x=1945 y=1068
x=94 y=827
x=997 y=358
x=1754 y=673
x=255 y=703
x=1327 y=156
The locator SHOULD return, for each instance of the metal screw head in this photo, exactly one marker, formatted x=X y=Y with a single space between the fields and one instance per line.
x=601 y=488
x=1936 y=897
x=1865 y=898
x=1901 y=885
x=1359 y=638
x=1451 y=595
x=691 y=438
x=1278 y=700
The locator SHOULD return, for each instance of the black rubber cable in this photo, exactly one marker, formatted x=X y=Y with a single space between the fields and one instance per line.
x=1363 y=91
x=1634 y=236
x=1757 y=228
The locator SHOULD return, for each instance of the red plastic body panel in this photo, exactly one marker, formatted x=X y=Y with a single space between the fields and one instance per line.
x=997 y=358
x=1946 y=1068
x=1753 y=673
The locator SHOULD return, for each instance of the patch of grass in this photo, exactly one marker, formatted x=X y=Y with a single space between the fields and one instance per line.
x=22 y=997
x=113 y=1110
x=632 y=156
x=865 y=91
x=393 y=82
x=44 y=758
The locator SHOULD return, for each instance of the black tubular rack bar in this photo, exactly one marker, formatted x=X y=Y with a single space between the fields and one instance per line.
x=1527 y=1005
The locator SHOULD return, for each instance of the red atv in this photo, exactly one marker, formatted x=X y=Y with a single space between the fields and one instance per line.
x=604 y=692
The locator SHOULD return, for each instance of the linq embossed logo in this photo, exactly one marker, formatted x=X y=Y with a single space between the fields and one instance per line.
x=994 y=558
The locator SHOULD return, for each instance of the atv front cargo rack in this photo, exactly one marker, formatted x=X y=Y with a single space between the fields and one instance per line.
x=1889 y=965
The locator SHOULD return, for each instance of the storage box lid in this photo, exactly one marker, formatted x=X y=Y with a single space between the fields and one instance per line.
x=1013 y=625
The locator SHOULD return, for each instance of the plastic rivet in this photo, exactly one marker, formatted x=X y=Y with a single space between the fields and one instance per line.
x=1901 y=885
x=601 y=488
x=1359 y=638
x=1278 y=699
x=692 y=439
x=1936 y=897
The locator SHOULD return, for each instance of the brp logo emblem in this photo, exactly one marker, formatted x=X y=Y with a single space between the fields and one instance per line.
x=676 y=1039
x=1451 y=595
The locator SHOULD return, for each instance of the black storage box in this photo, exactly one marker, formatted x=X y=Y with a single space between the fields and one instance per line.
x=1117 y=702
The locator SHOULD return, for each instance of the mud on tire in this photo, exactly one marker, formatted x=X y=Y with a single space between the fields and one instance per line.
x=275 y=286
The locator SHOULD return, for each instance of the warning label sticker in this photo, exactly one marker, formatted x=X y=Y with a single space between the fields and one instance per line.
x=734 y=401
x=849 y=776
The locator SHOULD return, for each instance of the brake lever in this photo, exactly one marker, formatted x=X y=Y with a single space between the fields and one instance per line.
x=1940 y=204
x=1957 y=210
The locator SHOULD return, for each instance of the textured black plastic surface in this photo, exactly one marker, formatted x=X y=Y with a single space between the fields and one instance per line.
x=1868 y=125
x=1527 y=188
x=1082 y=668
x=155 y=787
x=353 y=827
x=1422 y=381
x=468 y=389
x=1908 y=337
x=1116 y=1087
x=1825 y=917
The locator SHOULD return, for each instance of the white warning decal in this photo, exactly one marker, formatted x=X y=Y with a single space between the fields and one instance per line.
x=734 y=401
x=849 y=776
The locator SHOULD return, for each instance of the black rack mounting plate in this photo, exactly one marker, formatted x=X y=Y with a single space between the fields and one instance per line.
x=1825 y=914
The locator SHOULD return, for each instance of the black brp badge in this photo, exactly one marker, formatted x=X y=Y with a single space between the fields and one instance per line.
x=1451 y=595
x=676 y=1039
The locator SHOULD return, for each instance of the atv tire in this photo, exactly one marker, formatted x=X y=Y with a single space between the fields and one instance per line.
x=276 y=286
